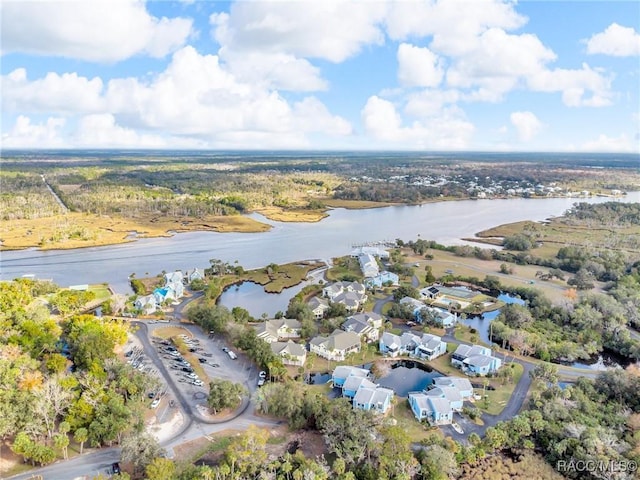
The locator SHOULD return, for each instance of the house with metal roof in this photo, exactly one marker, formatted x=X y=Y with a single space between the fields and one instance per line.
x=336 y=346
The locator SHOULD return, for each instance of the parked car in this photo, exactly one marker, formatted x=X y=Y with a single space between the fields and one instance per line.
x=192 y=375
x=232 y=355
x=155 y=403
x=202 y=360
x=197 y=383
x=115 y=468
x=262 y=374
x=260 y=382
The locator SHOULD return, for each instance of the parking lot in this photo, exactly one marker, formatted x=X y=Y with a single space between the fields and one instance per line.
x=203 y=358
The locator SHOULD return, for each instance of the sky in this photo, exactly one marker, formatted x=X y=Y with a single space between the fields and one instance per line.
x=426 y=75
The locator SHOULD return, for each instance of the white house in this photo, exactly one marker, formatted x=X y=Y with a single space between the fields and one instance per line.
x=146 y=304
x=368 y=265
x=194 y=274
x=382 y=279
x=430 y=347
x=173 y=277
x=336 y=346
x=319 y=306
x=374 y=251
x=438 y=315
x=365 y=324
x=278 y=329
x=291 y=353
x=444 y=397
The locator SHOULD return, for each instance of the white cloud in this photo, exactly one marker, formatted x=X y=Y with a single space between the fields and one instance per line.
x=430 y=102
x=616 y=40
x=101 y=30
x=193 y=97
x=454 y=24
x=332 y=30
x=60 y=93
x=418 y=66
x=25 y=134
x=605 y=143
x=527 y=125
x=447 y=131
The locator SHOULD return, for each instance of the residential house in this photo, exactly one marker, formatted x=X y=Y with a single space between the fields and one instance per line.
x=278 y=329
x=173 y=277
x=374 y=398
x=475 y=360
x=353 y=384
x=390 y=344
x=368 y=265
x=319 y=306
x=194 y=274
x=164 y=294
x=365 y=324
x=290 y=352
x=382 y=279
x=437 y=411
x=430 y=293
x=373 y=251
x=409 y=342
x=336 y=289
x=430 y=347
x=342 y=372
x=146 y=304
x=462 y=384
x=336 y=346
x=438 y=403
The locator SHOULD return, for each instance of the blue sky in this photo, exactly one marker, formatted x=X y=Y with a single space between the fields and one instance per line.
x=395 y=75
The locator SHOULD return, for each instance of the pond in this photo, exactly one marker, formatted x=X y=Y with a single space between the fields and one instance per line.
x=252 y=297
x=482 y=322
x=407 y=376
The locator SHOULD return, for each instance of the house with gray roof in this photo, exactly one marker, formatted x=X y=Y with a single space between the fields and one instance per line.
x=376 y=399
x=368 y=265
x=475 y=360
x=342 y=372
x=278 y=329
x=430 y=347
x=194 y=274
x=146 y=304
x=437 y=403
x=336 y=346
x=319 y=306
x=290 y=352
x=365 y=324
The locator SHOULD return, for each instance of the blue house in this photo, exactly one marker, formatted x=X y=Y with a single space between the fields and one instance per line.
x=353 y=384
x=373 y=398
x=462 y=384
x=390 y=344
x=438 y=315
x=436 y=411
x=475 y=360
x=341 y=373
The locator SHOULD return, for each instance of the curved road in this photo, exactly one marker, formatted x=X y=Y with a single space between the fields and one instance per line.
x=92 y=464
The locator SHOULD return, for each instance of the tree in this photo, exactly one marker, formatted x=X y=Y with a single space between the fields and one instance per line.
x=518 y=242
x=160 y=469
x=140 y=449
x=247 y=454
x=224 y=394
x=80 y=436
x=583 y=280
x=438 y=463
x=22 y=445
x=396 y=459
x=405 y=291
x=61 y=442
x=505 y=269
x=546 y=372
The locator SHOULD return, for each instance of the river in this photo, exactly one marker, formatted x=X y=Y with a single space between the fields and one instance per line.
x=445 y=222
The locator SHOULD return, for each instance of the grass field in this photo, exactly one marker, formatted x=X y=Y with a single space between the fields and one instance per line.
x=415 y=431
x=284 y=276
x=523 y=275
x=344 y=266
x=101 y=291
x=77 y=230
x=280 y=215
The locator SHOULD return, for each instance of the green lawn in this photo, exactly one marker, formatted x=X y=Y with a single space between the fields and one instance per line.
x=101 y=290
x=463 y=333
x=414 y=430
x=497 y=399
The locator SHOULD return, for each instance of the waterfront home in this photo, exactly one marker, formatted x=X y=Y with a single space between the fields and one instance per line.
x=289 y=352
x=164 y=294
x=365 y=324
x=336 y=346
x=463 y=385
x=377 y=399
x=278 y=329
x=430 y=347
x=173 y=277
x=319 y=306
x=373 y=251
x=475 y=360
x=353 y=384
x=409 y=342
x=146 y=304
x=194 y=274
x=436 y=411
x=382 y=279
x=342 y=372
x=368 y=265
x=390 y=344
x=335 y=289
x=437 y=403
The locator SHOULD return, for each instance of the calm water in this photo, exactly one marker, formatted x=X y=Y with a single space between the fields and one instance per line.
x=482 y=322
x=407 y=376
x=445 y=222
x=252 y=297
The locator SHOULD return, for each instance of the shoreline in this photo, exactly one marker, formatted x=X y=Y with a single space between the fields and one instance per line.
x=117 y=231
